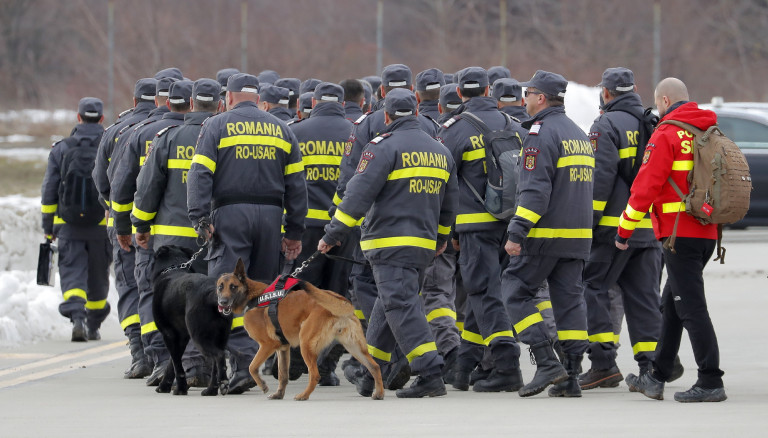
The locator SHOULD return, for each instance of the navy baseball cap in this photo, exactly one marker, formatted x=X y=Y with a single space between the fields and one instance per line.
x=292 y=84
x=400 y=102
x=473 y=77
x=309 y=85
x=268 y=77
x=243 y=82
x=145 y=89
x=171 y=72
x=90 y=107
x=163 y=85
x=449 y=98
x=375 y=81
x=498 y=72
x=618 y=79
x=396 y=75
x=305 y=102
x=329 y=92
x=429 y=79
x=223 y=75
x=180 y=92
x=206 y=90
x=507 y=90
x=275 y=94
x=367 y=90
x=449 y=78
x=548 y=82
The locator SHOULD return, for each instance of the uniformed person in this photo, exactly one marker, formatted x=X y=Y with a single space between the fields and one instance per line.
x=550 y=235
x=161 y=197
x=405 y=184
x=304 y=109
x=368 y=90
x=449 y=78
x=267 y=77
x=375 y=82
x=84 y=251
x=449 y=104
x=294 y=86
x=354 y=98
x=309 y=85
x=246 y=169
x=274 y=100
x=170 y=72
x=428 y=83
x=509 y=94
x=614 y=136
x=479 y=238
x=124 y=262
x=497 y=72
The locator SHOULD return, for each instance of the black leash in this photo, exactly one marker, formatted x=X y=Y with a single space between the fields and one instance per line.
x=186 y=264
x=345 y=259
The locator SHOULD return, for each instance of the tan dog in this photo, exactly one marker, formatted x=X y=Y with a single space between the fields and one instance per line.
x=311 y=318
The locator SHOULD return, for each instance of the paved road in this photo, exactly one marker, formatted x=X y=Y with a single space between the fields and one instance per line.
x=60 y=389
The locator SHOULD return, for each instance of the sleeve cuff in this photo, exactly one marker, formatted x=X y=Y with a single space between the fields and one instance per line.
x=622 y=240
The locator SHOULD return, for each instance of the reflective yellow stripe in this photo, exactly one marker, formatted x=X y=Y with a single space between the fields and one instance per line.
x=616 y=339
x=318 y=214
x=316 y=160
x=133 y=319
x=627 y=224
x=205 y=161
x=630 y=152
x=108 y=203
x=421 y=350
x=258 y=140
x=387 y=242
x=613 y=221
x=527 y=214
x=122 y=208
x=576 y=160
x=141 y=163
x=439 y=313
x=460 y=326
x=643 y=347
x=294 y=168
x=143 y=215
x=336 y=199
x=544 y=305
x=359 y=314
x=111 y=222
x=474 y=218
x=237 y=322
x=96 y=305
x=443 y=230
x=58 y=221
x=174 y=230
x=148 y=328
x=472 y=155
x=179 y=164
x=75 y=293
x=378 y=354
x=572 y=335
x=599 y=205
x=506 y=333
x=682 y=165
x=527 y=322
x=50 y=208
x=474 y=338
x=606 y=337
x=672 y=207
x=428 y=172
x=345 y=218
x=634 y=214
x=560 y=233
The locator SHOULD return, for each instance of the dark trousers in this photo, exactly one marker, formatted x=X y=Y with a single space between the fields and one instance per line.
x=685 y=307
x=127 y=289
x=324 y=272
x=84 y=273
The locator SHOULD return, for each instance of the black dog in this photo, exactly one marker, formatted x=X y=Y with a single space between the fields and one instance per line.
x=184 y=307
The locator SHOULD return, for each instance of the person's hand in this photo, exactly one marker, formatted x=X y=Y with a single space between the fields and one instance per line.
x=441 y=249
x=512 y=248
x=125 y=242
x=50 y=237
x=323 y=247
x=206 y=231
x=622 y=246
x=143 y=240
x=291 y=248
x=455 y=244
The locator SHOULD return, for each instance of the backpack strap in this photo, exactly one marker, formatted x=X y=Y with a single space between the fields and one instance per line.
x=484 y=130
x=670 y=242
x=687 y=126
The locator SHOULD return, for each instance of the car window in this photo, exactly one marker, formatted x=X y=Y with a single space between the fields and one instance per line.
x=745 y=133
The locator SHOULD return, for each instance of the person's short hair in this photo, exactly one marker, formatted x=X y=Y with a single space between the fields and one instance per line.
x=179 y=107
x=429 y=94
x=206 y=106
x=616 y=93
x=87 y=119
x=353 y=90
x=472 y=92
x=553 y=100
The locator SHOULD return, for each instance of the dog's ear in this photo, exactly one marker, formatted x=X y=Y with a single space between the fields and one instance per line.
x=240 y=271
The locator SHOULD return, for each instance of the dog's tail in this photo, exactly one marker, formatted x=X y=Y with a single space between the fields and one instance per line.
x=331 y=301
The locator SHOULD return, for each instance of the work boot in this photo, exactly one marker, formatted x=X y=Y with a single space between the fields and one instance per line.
x=461 y=377
x=240 y=382
x=140 y=367
x=365 y=384
x=450 y=360
x=399 y=375
x=353 y=373
x=93 y=333
x=677 y=370
x=650 y=386
x=548 y=370
x=698 y=394
x=158 y=372
x=595 y=378
x=430 y=386
x=327 y=366
x=570 y=386
x=478 y=374
x=79 y=330
x=350 y=362
x=198 y=376
x=296 y=368
x=500 y=381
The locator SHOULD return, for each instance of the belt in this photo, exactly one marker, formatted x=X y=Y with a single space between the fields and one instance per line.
x=246 y=199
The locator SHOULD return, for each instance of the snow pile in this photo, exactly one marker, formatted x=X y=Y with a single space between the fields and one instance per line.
x=26 y=154
x=38 y=116
x=29 y=312
x=20 y=233
x=17 y=138
x=582 y=104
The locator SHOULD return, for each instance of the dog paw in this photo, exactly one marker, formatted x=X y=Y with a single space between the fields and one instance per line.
x=224 y=387
x=301 y=397
x=376 y=396
x=276 y=396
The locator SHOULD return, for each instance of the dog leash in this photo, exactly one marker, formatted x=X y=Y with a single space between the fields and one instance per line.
x=314 y=255
x=186 y=264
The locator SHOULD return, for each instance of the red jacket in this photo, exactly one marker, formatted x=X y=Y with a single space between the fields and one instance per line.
x=669 y=153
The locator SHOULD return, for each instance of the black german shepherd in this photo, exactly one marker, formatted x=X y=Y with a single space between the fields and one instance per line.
x=184 y=306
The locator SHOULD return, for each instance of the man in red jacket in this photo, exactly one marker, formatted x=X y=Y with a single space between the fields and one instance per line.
x=669 y=154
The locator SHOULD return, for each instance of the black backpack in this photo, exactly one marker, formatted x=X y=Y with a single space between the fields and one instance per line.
x=78 y=197
x=648 y=121
x=502 y=152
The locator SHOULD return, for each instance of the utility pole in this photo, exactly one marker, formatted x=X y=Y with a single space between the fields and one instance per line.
x=656 y=43
x=244 y=36
x=111 y=62
x=503 y=31
x=379 y=35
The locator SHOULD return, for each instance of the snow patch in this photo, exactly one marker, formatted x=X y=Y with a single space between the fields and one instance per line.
x=26 y=154
x=17 y=138
x=21 y=233
x=38 y=116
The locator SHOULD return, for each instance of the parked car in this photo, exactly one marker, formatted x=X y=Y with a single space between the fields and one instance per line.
x=746 y=123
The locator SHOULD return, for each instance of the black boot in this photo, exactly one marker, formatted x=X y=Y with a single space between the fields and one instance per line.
x=594 y=378
x=478 y=374
x=677 y=370
x=450 y=365
x=399 y=375
x=500 y=381
x=79 y=330
x=461 y=377
x=548 y=369
x=647 y=384
x=569 y=387
x=158 y=372
x=327 y=366
x=429 y=386
x=140 y=366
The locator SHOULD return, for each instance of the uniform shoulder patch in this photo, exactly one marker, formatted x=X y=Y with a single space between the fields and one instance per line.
x=647 y=155
x=361 y=118
x=128 y=111
x=529 y=159
x=164 y=130
x=379 y=138
x=448 y=123
x=535 y=128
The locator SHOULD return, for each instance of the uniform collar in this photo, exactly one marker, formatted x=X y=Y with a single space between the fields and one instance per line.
x=246 y=103
x=517 y=112
x=625 y=101
x=428 y=105
x=87 y=129
x=328 y=109
x=173 y=115
x=159 y=111
x=196 y=118
x=406 y=122
x=144 y=107
x=481 y=103
x=543 y=114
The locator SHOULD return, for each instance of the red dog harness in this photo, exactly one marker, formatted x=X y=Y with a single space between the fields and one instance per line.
x=271 y=297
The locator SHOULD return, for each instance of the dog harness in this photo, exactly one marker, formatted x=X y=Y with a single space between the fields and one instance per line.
x=271 y=297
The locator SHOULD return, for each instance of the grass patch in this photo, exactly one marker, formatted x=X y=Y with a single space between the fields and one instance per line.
x=21 y=177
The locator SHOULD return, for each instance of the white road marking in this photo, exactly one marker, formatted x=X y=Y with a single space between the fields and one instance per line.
x=63 y=357
x=62 y=369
